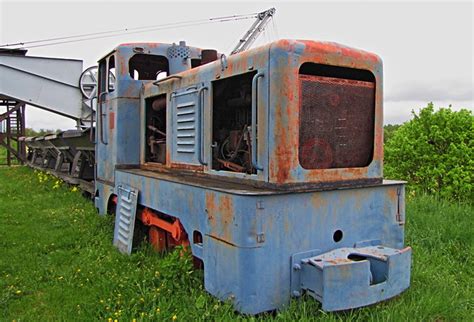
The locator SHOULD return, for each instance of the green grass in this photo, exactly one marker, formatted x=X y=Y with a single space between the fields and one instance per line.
x=3 y=156
x=57 y=262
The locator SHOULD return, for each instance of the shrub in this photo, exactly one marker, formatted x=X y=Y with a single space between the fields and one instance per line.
x=434 y=152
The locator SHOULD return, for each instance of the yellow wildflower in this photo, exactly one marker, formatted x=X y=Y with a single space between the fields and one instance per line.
x=174 y=317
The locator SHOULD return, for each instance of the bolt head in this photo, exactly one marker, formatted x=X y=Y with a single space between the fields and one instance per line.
x=296 y=294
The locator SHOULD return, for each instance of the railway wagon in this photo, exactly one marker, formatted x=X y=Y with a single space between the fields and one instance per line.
x=267 y=165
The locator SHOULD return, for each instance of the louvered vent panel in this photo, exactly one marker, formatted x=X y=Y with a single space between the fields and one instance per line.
x=125 y=218
x=186 y=127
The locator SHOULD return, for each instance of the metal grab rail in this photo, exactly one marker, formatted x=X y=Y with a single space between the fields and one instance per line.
x=200 y=125
x=254 y=120
x=101 y=116
x=91 y=134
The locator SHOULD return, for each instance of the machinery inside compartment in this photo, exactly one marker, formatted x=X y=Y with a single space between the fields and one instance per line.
x=231 y=119
x=155 y=131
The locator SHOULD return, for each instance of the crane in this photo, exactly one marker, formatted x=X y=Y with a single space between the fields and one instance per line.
x=254 y=31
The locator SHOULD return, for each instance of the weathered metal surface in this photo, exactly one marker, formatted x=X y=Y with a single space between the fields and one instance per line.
x=250 y=225
x=351 y=277
x=336 y=128
x=125 y=218
x=248 y=240
x=48 y=83
x=69 y=153
x=119 y=131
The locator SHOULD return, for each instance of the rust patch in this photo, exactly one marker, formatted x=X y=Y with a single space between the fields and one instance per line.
x=211 y=210
x=226 y=208
x=111 y=120
x=220 y=214
x=185 y=166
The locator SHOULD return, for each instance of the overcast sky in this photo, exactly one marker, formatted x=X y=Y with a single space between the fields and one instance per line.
x=427 y=47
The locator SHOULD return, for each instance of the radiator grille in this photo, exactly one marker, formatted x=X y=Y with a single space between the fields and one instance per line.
x=336 y=122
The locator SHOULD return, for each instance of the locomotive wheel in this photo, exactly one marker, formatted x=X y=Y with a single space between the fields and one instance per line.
x=157 y=238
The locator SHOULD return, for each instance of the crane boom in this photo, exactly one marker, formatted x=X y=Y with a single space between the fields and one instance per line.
x=255 y=30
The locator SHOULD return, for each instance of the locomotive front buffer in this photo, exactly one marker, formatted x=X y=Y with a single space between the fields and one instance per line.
x=267 y=165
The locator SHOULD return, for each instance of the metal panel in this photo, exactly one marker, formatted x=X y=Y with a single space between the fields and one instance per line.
x=253 y=271
x=336 y=122
x=347 y=278
x=48 y=83
x=185 y=126
x=125 y=218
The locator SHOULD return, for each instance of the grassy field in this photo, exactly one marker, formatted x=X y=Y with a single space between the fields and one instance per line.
x=3 y=156
x=57 y=262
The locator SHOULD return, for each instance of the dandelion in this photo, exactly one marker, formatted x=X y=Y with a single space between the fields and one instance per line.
x=78 y=270
x=109 y=320
x=174 y=317
x=18 y=292
x=74 y=189
x=157 y=310
x=142 y=299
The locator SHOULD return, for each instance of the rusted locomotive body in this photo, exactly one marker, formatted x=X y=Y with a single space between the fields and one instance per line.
x=267 y=164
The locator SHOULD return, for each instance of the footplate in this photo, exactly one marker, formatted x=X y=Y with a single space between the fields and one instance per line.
x=347 y=278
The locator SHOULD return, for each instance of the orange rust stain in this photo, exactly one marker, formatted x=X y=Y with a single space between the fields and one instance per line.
x=319 y=201
x=211 y=210
x=226 y=208
x=392 y=194
x=220 y=213
x=111 y=120
x=329 y=175
x=123 y=65
x=168 y=156
x=185 y=166
x=285 y=127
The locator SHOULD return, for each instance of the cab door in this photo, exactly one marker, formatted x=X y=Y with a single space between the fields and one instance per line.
x=105 y=121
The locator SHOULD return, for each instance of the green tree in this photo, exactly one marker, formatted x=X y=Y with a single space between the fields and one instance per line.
x=434 y=152
x=389 y=130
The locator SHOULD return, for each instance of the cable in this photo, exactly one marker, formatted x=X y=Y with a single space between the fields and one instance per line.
x=50 y=41
x=133 y=32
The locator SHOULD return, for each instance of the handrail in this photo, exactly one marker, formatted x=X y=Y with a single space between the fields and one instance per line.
x=101 y=115
x=254 y=120
x=91 y=136
x=200 y=123
x=167 y=79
